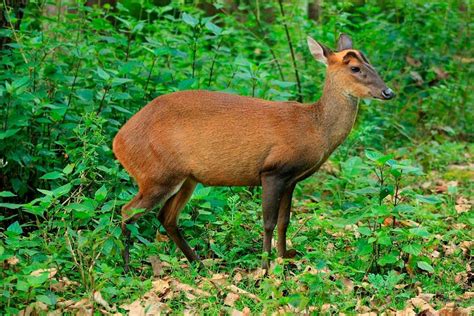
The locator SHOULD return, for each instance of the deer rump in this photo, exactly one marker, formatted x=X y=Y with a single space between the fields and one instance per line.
x=217 y=139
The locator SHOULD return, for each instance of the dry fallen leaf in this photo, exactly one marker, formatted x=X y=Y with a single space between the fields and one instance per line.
x=231 y=298
x=219 y=278
x=462 y=205
x=13 y=261
x=238 y=290
x=97 y=296
x=51 y=272
x=156 y=265
x=412 y=61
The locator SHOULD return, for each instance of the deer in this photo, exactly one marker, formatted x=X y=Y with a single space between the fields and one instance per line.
x=218 y=139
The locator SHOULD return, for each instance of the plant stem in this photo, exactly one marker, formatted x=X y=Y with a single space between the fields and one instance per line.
x=213 y=63
x=106 y=89
x=297 y=76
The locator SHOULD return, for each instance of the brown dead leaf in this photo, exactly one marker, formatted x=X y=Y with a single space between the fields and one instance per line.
x=36 y=308
x=462 y=205
x=468 y=295
x=440 y=73
x=238 y=277
x=51 y=272
x=231 y=298
x=466 y=247
x=161 y=238
x=422 y=306
x=240 y=291
x=460 y=277
x=219 y=278
x=257 y=274
x=156 y=265
x=348 y=285
x=176 y=285
x=408 y=311
x=97 y=296
x=13 y=261
x=451 y=309
x=412 y=61
x=244 y=312
x=160 y=286
x=368 y=314
x=63 y=284
x=417 y=77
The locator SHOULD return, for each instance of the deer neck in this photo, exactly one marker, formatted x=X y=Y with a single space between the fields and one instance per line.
x=336 y=111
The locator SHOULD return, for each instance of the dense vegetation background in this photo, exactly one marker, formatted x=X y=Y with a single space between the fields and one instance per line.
x=385 y=226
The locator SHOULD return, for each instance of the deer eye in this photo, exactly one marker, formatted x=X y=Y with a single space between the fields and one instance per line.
x=355 y=69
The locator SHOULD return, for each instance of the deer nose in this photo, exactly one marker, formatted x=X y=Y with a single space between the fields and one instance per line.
x=388 y=94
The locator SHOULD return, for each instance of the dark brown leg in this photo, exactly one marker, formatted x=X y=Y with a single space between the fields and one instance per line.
x=169 y=218
x=283 y=221
x=143 y=200
x=273 y=188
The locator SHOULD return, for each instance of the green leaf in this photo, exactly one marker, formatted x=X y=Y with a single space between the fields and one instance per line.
x=101 y=194
x=68 y=169
x=423 y=265
x=414 y=249
x=420 y=231
x=52 y=175
x=190 y=20
x=390 y=258
x=11 y=206
x=365 y=231
x=62 y=190
x=85 y=95
x=430 y=199
x=213 y=28
x=15 y=228
x=8 y=133
x=403 y=208
x=6 y=194
x=103 y=74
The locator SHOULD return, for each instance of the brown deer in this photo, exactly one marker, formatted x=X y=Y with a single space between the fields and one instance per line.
x=218 y=139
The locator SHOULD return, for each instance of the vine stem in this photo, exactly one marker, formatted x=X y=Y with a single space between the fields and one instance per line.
x=293 y=59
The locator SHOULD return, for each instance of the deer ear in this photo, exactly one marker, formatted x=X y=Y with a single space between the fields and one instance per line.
x=320 y=52
x=344 y=42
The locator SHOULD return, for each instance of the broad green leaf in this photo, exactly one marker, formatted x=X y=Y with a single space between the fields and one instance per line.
x=430 y=199
x=403 y=208
x=103 y=74
x=190 y=20
x=423 y=265
x=8 y=133
x=11 y=206
x=365 y=231
x=52 y=175
x=414 y=249
x=68 y=169
x=15 y=228
x=213 y=28
x=62 y=190
x=420 y=231
x=101 y=194
x=388 y=259
x=6 y=194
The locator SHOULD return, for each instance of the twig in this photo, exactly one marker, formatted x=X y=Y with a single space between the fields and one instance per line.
x=290 y=44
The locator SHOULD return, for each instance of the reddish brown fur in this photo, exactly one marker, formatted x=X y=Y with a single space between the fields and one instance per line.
x=220 y=139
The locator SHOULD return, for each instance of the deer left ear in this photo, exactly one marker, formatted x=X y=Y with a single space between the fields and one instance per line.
x=344 y=42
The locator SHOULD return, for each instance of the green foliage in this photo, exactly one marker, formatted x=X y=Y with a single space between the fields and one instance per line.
x=70 y=81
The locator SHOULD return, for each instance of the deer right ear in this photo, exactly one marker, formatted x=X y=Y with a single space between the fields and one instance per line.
x=320 y=52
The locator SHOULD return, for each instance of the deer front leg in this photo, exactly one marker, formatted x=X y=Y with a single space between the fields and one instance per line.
x=273 y=187
x=283 y=221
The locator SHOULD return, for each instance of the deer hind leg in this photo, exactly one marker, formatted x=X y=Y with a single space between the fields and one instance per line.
x=169 y=218
x=145 y=199
x=283 y=221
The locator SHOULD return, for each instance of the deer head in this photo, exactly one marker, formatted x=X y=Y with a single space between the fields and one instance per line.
x=350 y=70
